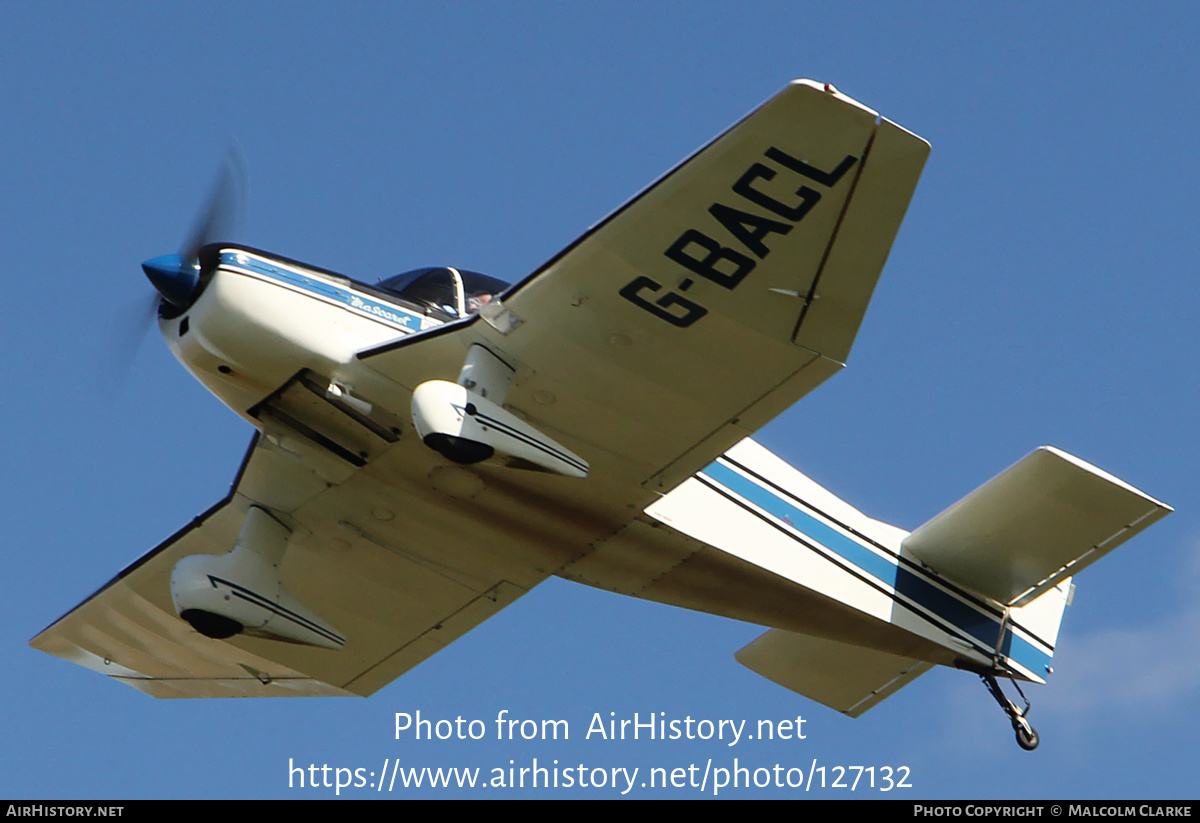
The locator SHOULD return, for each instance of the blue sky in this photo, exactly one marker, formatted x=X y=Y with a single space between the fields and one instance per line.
x=1042 y=291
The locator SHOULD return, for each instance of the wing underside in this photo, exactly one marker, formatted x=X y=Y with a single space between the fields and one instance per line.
x=706 y=305
x=397 y=605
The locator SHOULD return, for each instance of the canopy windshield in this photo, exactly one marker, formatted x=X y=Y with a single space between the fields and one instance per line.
x=436 y=289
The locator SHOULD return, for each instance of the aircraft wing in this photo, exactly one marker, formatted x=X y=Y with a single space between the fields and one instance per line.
x=708 y=303
x=396 y=602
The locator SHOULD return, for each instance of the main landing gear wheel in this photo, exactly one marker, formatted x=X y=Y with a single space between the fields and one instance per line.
x=1027 y=736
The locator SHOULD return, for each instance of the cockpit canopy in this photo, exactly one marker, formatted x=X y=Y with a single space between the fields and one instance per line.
x=444 y=291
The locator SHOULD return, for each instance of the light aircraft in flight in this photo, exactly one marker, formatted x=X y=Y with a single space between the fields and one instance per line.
x=430 y=448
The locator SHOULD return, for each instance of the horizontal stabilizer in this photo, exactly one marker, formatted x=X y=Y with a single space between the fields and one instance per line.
x=848 y=678
x=1039 y=522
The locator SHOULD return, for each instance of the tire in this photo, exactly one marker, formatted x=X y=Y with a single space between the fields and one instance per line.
x=1027 y=740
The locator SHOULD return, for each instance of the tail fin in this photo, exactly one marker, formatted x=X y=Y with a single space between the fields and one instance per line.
x=1043 y=615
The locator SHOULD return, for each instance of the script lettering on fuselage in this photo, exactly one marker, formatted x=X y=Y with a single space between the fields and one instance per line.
x=728 y=263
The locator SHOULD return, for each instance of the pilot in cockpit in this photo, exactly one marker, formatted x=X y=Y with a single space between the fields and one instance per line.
x=445 y=292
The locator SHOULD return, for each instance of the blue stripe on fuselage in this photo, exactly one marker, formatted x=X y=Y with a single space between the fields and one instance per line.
x=930 y=598
x=388 y=313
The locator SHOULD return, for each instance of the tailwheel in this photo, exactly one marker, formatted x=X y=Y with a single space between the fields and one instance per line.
x=1027 y=736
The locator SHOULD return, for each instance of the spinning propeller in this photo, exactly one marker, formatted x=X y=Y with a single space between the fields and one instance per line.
x=176 y=276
